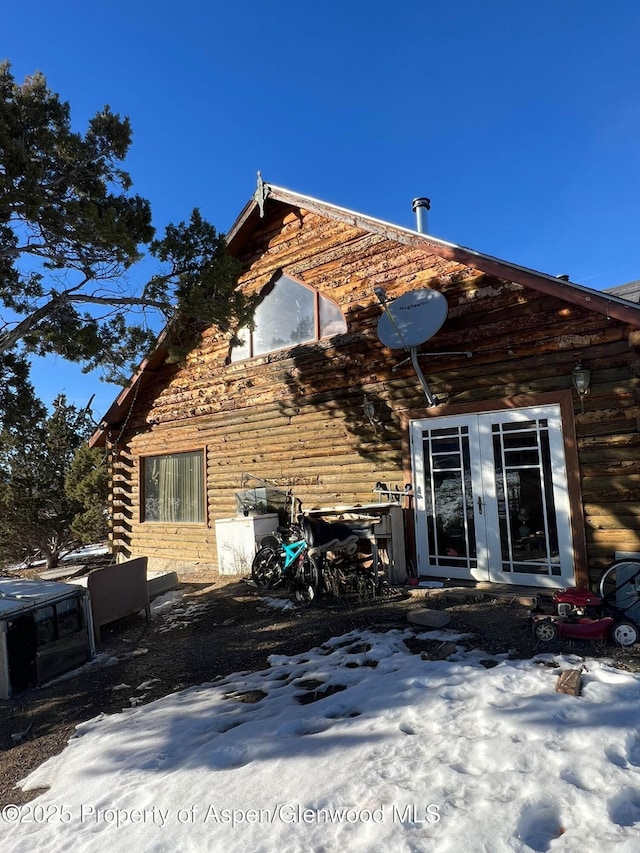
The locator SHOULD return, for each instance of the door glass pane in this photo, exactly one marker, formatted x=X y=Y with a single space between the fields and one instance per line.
x=550 y=506
x=526 y=511
x=446 y=461
x=521 y=458
x=449 y=498
x=519 y=440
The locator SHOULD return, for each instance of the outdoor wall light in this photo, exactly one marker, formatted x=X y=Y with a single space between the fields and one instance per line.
x=581 y=378
x=370 y=413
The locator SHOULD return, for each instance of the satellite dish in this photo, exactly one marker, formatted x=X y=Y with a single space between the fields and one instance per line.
x=412 y=318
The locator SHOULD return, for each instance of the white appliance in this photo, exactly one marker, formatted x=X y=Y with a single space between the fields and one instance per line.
x=238 y=539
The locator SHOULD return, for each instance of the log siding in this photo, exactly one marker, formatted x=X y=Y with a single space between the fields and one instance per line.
x=296 y=416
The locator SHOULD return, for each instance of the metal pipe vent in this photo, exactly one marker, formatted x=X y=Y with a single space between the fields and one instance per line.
x=421 y=206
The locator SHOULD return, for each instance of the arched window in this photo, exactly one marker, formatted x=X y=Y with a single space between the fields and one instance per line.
x=290 y=313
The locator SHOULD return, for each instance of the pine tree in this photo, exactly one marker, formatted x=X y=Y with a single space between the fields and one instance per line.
x=72 y=232
x=87 y=483
x=36 y=513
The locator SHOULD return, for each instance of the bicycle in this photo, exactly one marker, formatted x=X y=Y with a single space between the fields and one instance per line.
x=311 y=556
x=343 y=572
x=619 y=584
x=281 y=561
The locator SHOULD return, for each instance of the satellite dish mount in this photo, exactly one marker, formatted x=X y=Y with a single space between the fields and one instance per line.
x=409 y=321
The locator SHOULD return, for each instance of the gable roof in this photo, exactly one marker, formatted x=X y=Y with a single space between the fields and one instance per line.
x=604 y=302
x=629 y=291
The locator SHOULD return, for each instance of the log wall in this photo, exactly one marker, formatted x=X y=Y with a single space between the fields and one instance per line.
x=296 y=417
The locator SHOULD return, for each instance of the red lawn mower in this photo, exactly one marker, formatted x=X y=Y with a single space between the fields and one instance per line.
x=580 y=614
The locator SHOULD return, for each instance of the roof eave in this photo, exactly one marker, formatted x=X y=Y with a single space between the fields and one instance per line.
x=608 y=304
x=117 y=412
x=605 y=303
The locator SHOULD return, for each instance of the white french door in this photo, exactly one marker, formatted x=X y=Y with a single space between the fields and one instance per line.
x=491 y=498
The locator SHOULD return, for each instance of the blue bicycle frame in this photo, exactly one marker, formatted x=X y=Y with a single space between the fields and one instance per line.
x=292 y=551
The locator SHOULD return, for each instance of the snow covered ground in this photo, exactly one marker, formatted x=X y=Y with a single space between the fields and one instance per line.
x=82 y=553
x=357 y=745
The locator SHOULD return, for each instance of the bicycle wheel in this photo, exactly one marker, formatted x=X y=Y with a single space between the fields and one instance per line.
x=365 y=585
x=307 y=580
x=266 y=569
x=329 y=578
x=270 y=542
x=619 y=586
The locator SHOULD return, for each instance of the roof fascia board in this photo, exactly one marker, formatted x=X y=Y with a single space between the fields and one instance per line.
x=114 y=413
x=245 y=214
x=576 y=294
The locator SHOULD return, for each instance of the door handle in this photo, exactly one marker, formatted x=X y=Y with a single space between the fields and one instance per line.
x=479 y=506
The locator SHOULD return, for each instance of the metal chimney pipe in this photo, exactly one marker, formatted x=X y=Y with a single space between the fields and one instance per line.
x=420 y=207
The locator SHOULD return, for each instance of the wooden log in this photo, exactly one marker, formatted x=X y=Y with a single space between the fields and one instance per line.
x=441 y=652
x=570 y=682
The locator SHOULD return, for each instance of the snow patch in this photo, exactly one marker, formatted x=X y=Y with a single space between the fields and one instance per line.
x=360 y=745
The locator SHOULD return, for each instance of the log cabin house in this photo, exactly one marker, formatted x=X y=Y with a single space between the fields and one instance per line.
x=516 y=477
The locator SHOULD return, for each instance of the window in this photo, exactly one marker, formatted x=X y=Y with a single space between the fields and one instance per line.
x=174 y=487
x=57 y=621
x=44 y=619
x=68 y=616
x=290 y=313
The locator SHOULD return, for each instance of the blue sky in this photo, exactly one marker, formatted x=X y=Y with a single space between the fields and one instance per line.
x=520 y=120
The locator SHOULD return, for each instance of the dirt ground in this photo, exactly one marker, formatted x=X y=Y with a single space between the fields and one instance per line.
x=226 y=627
